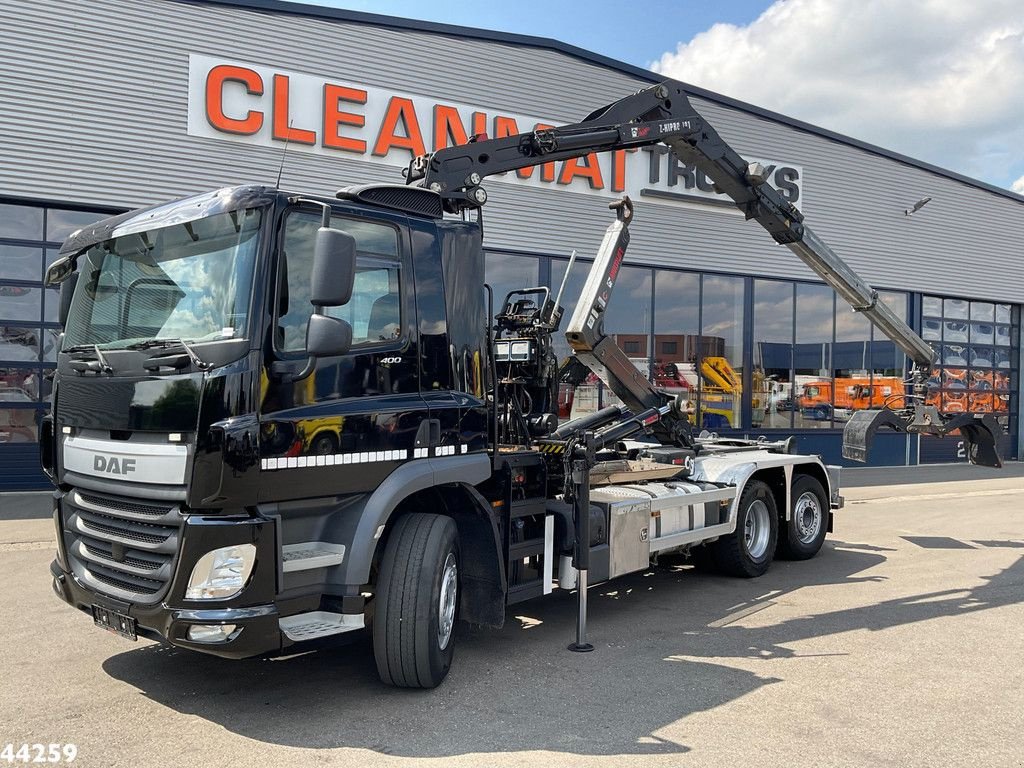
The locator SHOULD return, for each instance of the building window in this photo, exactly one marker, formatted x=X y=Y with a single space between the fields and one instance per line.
x=631 y=347
x=976 y=369
x=812 y=356
x=669 y=347
x=720 y=362
x=30 y=237
x=772 y=397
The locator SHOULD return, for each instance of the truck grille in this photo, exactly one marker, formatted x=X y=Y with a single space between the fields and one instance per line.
x=122 y=547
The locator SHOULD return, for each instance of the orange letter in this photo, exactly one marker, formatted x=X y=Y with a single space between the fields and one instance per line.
x=334 y=117
x=215 y=116
x=589 y=170
x=619 y=170
x=282 y=125
x=400 y=109
x=448 y=125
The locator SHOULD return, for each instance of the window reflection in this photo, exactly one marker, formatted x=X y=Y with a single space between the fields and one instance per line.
x=18 y=425
x=976 y=370
x=19 y=303
x=852 y=386
x=20 y=263
x=21 y=222
x=19 y=344
x=20 y=385
x=888 y=360
x=721 y=362
x=23 y=340
x=812 y=356
x=772 y=396
x=677 y=337
x=60 y=222
x=506 y=272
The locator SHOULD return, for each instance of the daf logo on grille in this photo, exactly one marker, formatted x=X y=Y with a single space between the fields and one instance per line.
x=113 y=465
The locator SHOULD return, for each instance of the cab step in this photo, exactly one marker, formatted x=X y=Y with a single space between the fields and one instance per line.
x=311 y=554
x=310 y=626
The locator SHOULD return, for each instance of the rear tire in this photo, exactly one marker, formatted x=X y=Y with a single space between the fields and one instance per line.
x=416 y=603
x=803 y=534
x=748 y=551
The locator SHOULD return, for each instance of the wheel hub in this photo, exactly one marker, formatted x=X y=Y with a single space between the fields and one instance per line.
x=807 y=517
x=446 y=606
x=757 y=529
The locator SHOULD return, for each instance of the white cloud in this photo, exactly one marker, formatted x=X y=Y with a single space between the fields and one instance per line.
x=1018 y=186
x=938 y=80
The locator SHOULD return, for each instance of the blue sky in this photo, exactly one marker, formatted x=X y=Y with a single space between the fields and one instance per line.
x=634 y=33
x=939 y=81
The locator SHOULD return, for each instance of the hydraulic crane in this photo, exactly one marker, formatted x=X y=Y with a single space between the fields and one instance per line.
x=663 y=113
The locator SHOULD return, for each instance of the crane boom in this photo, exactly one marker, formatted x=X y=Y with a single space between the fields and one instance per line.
x=663 y=114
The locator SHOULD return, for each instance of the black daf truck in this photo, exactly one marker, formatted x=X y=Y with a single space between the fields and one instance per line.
x=279 y=418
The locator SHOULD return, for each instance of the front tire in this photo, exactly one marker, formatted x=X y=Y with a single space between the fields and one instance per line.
x=417 y=602
x=748 y=551
x=804 y=533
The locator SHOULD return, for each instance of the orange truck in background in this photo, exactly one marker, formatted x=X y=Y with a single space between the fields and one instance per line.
x=852 y=393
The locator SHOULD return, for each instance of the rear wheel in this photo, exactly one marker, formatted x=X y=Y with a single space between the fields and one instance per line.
x=804 y=533
x=748 y=551
x=417 y=602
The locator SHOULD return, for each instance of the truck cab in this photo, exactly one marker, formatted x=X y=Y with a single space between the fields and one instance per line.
x=212 y=476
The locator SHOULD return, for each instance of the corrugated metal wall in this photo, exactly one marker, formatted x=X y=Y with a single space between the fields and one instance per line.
x=94 y=101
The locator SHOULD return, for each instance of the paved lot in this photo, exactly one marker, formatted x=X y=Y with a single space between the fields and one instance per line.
x=902 y=643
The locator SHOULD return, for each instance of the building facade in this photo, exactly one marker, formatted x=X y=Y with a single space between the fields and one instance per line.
x=110 y=105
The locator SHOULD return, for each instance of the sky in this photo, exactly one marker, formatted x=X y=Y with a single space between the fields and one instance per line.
x=937 y=80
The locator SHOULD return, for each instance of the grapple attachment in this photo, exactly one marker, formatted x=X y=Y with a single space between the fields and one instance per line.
x=980 y=431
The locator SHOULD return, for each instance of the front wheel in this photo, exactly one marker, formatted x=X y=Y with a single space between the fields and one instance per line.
x=748 y=551
x=804 y=533
x=417 y=602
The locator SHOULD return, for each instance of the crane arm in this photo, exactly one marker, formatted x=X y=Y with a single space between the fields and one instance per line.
x=663 y=114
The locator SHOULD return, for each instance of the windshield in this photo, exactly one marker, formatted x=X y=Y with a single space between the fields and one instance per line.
x=189 y=281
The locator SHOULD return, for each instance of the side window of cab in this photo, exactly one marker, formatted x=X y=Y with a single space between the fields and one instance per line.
x=375 y=309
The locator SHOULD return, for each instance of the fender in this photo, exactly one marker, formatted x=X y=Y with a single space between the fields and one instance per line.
x=410 y=477
x=737 y=469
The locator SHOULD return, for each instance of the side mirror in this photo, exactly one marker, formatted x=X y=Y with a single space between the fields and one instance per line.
x=334 y=268
x=327 y=336
x=67 y=290
x=59 y=271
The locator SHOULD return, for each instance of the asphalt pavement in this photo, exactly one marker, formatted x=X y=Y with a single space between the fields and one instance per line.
x=901 y=643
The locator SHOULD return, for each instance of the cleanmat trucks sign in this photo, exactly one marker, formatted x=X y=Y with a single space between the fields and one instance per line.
x=264 y=106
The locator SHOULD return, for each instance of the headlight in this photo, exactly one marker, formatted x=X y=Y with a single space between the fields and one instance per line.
x=222 y=573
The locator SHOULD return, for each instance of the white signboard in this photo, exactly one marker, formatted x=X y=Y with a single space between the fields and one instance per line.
x=265 y=106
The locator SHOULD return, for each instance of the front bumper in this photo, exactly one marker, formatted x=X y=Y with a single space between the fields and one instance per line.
x=258 y=630
x=165 y=614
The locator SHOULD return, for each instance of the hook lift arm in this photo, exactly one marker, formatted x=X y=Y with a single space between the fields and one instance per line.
x=663 y=113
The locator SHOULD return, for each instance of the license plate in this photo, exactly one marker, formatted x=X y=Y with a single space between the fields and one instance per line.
x=115 y=622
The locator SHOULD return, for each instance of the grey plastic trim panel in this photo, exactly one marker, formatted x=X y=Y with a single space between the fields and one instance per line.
x=691 y=537
x=226 y=614
x=140 y=490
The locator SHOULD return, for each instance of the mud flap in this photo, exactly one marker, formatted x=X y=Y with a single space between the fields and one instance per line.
x=860 y=431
